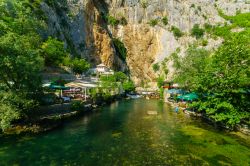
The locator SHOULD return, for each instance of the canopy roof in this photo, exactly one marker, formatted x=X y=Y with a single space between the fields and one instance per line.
x=101 y=65
x=188 y=97
x=81 y=84
x=59 y=87
x=176 y=91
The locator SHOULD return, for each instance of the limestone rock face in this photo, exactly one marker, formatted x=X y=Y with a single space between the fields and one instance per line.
x=86 y=32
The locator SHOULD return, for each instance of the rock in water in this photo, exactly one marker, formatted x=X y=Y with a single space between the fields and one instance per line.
x=152 y=112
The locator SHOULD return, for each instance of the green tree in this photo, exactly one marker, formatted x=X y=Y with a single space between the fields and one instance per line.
x=20 y=61
x=223 y=76
x=128 y=86
x=53 y=52
x=79 y=65
x=120 y=77
x=189 y=68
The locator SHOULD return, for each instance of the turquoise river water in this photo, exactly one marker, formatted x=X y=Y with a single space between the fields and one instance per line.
x=124 y=134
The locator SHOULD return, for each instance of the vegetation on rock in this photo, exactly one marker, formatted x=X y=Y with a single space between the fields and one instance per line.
x=177 y=32
x=120 y=48
x=197 y=31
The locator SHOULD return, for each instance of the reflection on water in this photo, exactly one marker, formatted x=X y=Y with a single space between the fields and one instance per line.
x=124 y=134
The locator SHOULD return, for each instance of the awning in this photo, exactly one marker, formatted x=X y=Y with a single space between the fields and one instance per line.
x=59 y=87
x=176 y=91
x=188 y=97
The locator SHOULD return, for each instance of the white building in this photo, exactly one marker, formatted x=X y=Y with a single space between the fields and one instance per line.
x=104 y=70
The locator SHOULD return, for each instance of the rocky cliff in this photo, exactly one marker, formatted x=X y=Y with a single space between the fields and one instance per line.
x=89 y=28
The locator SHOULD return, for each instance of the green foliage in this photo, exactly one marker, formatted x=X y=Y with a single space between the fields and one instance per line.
x=53 y=52
x=204 y=42
x=79 y=65
x=156 y=67
x=160 y=81
x=240 y=19
x=189 y=66
x=117 y=80
x=120 y=48
x=77 y=105
x=123 y=21
x=164 y=20
x=14 y=106
x=20 y=60
x=128 y=86
x=197 y=31
x=153 y=22
x=208 y=26
x=112 y=21
x=224 y=76
x=120 y=77
x=199 y=8
x=144 y=3
x=176 y=59
x=177 y=32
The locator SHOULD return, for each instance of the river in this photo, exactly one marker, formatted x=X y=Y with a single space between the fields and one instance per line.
x=124 y=134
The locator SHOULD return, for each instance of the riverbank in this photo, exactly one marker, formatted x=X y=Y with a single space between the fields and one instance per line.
x=243 y=128
x=54 y=116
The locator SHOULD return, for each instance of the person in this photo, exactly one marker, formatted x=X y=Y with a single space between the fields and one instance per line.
x=176 y=109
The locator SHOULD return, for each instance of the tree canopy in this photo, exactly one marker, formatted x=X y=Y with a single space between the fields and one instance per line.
x=223 y=77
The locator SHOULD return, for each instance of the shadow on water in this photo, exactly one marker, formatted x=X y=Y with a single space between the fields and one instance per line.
x=124 y=134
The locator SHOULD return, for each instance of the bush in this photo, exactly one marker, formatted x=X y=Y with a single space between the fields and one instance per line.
x=156 y=67
x=123 y=21
x=144 y=3
x=14 y=106
x=204 y=42
x=128 y=86
x=165 y=20
x=112 y=21
x=77 y=105
x=208 y=26
x=177 y=32
x=153 y=22
x=197 y=31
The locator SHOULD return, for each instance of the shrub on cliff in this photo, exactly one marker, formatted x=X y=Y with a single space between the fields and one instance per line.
x=176 y=31
x=153 y=22
x=164 y=20
x=156 y=67
x=197 y=31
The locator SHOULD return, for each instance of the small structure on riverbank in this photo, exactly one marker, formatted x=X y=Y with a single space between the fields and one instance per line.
x=102 y=69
